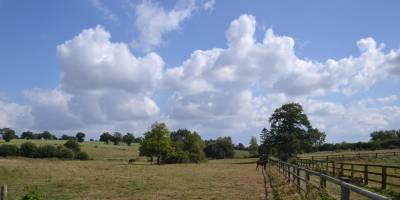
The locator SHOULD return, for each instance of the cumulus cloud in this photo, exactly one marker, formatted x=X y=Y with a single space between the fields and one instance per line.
x=219 y=91
x=14 y=115
x=152 y=21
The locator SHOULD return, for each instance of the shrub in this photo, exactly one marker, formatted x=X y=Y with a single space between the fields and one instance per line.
x=33 y=194
x=28 y=149
x=65 y=153
x=73 y=145
x=82 y=156
x=8 y=150
x=46 y=151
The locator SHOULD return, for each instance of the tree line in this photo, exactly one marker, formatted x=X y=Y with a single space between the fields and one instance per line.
x=69 y=150
x=291 y=133
x=382 y=139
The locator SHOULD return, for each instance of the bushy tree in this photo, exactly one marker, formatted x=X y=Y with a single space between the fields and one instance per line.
x=82 y=156
x=28 y=135
x=46 y=151
x=385 y=135
x=73 y=145
x=65 y=153
x=117 y=138
x=106 y=137
x=8 y=134
x=290 y=132
x=220 y=148
x=240 y=146
x=80 y=136
x=253 y=147
x=8 y=150
x=67 y=137
x=128 y=139
x=188 y=146
x=28 y=149
x=156 y=142
x=47 y=136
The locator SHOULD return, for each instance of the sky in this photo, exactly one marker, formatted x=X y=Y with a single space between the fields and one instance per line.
x=218 y=67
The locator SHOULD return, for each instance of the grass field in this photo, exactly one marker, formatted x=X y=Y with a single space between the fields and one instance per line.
x=108 y=176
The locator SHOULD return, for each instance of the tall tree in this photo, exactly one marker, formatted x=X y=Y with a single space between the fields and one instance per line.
x=116 y=138
x=290 y=132
x=8 y=134
x=106 y=137
x=253 y=147
x=156 y=142
x=28 y=135
x=80 y=136
x=128 y=139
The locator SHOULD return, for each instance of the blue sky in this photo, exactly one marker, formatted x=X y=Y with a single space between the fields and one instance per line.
x=348 y=101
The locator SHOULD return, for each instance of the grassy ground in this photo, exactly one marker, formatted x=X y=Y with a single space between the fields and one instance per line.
x=108 y=176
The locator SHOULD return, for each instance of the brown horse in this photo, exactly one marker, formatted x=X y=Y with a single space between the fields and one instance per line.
x=263 y=164
x=132 y=160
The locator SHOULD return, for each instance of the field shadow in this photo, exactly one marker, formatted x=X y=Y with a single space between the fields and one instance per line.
x=244 y=163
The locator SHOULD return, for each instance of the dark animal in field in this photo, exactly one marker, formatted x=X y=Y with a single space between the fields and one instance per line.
x=132 y=160
x=263 y=164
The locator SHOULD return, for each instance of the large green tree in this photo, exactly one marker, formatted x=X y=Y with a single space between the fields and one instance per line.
x=80 y=136
x=189 y=147
x=128 y=139
x=290 y=132
x=156 y=142
x=106 y=137
x=8 y=134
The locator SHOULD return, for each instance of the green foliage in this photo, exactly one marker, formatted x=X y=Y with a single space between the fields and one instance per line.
x=33 y=194
x=385 y=135
x=128 y=139
x=65 y=153
x=156 y=142
x=8 y=150
x=188 y=146
x=73 y=145
x=47 y=136
x=106 y=137
x=28 y=149
x=80 y=136
x=117 y=138
x=46 y=151
x=67 y=137
x=220 y=148
x=27 y=135
x=290 y=133
x=8 y=134
x=253 y=147
x=82 y=156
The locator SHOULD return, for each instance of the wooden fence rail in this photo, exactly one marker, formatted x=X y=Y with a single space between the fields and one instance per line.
x=384 y=175
x=350 y=156
x=293 y=173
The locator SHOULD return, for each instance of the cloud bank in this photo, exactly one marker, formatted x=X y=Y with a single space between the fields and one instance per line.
x=220 y=91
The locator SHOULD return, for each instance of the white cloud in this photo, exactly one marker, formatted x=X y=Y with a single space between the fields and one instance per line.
x=152 y=21
x=104 y=10
x=13 y=115
x=209 y=4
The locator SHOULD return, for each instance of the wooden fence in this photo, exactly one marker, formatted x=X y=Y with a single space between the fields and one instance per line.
x=300 y=177
x=350 y=156
x=3 y=192
x=382 y=175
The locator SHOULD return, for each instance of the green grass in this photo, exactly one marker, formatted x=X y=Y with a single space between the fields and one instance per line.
x=242 y=154
x=109 y=176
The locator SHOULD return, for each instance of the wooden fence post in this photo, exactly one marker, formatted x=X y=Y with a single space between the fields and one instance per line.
x=293 y=173
x=341 y=170
x=384 y=177
x=3 y=192
x=298 y=179
x=366 y=174
x=307 y=181
x=322 y=181
x=288 y=172
x=344 y=192
x=333 y=168
x=352 y=171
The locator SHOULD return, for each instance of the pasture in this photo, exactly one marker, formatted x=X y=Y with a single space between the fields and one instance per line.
x=109 y=176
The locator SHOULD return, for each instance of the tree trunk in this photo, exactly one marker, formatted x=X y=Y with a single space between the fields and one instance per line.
x=158 y=160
